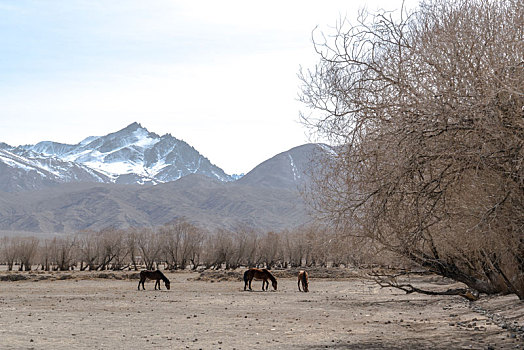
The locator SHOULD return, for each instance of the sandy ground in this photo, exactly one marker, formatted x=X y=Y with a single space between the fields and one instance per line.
x=95 y=313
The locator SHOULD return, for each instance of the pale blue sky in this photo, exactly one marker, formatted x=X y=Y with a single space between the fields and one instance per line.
x=221 y=75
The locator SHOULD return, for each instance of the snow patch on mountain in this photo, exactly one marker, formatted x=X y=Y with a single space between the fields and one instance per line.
x=296 y=175
x=14 y=161
x=50 y=168
x=143 y=138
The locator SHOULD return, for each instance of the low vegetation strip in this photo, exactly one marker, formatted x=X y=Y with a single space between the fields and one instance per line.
x=206 y=275
x=11 y=276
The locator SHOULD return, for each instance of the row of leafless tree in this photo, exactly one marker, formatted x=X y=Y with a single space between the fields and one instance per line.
x=182 y=245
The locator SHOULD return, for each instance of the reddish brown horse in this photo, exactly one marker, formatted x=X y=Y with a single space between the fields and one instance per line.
x=303 y=278
x=153 y=275
x=259 y=274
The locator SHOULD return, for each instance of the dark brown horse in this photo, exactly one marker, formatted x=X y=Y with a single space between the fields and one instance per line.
x=303 y=278
x=153 y=275
x=259 y=274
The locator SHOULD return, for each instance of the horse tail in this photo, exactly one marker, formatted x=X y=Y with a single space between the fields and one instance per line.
x=246 y=276
x=304 y=278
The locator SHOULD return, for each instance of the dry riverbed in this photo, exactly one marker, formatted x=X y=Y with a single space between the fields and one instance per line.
x=105 y=311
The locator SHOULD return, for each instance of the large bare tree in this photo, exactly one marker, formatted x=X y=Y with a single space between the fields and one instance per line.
x=425 y=109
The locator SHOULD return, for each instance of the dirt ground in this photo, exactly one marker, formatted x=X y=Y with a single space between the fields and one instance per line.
x=79 y=311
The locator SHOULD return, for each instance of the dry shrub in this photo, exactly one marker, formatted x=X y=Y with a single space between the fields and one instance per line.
x=425 y=112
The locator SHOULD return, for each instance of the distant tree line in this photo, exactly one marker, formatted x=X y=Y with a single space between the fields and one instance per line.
x=182 y=245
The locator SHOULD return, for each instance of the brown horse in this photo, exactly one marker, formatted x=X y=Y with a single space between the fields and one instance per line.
x=303 y=277
x=153 y=275
x=259 y=274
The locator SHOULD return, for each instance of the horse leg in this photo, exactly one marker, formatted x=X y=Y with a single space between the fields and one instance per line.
x=250 y=284
x=299 y=286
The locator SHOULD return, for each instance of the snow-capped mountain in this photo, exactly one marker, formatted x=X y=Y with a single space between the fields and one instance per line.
x=33 y=171
x=130 y=155
x=66 y=196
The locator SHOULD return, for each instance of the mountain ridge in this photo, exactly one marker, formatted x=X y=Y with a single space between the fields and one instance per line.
x=130 y=155
x=54 y=193
x=201 y=200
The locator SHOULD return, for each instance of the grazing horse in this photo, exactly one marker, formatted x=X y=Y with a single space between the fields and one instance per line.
x=153 y=275
x=259 y=274
x=303 y=277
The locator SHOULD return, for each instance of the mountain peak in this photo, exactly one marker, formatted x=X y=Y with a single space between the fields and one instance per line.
x=134 y=126
x=133 y=155
x=289 y=169
x=137 y=130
